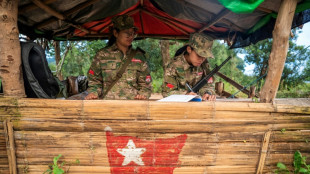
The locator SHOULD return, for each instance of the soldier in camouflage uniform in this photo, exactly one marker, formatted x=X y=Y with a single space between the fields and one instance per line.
x=135 y=82
x=189 y=65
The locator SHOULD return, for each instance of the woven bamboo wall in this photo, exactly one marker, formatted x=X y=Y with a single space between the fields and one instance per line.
x=220 y=137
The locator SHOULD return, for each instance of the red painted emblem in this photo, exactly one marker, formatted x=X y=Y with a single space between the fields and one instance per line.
x=91 y=72
x=210 y=80
x=148 y=79
x=169 y=85
x=136 y=60
x=129 y=154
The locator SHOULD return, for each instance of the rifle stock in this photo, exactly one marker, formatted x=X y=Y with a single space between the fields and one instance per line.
x=205 y=79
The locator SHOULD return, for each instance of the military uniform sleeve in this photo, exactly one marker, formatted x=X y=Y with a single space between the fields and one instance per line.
x=209 y=87
x=144 y=79
x=95 y=79
x=171 y=84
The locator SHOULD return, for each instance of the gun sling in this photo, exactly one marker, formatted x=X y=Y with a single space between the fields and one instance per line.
x=120 y=73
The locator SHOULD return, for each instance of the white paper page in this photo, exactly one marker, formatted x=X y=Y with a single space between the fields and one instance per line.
x=178 y=98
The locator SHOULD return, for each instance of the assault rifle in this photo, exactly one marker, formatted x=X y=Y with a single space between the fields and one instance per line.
x=205 y=79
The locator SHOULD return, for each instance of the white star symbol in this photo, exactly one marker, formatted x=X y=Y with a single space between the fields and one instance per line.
x=132 y=153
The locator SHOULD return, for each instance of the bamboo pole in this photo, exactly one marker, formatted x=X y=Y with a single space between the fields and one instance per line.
x=215 y=19
x=30 y=7
x=58 y=15
x=263 y=152
x=203 y=11
x=67 y=13
x=234 y=83
x=10 y=53
x=10 y=146
x=279 y=49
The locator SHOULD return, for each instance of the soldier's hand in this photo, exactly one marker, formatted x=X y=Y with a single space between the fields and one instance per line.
x=91 y=96
x=191 y=93
x=140 y=97
x=209 y=97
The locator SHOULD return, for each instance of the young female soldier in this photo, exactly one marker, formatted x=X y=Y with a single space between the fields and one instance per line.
x=189 y=65
x=109 y=76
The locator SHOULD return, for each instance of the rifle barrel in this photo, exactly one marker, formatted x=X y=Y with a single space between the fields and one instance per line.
x=205 y=79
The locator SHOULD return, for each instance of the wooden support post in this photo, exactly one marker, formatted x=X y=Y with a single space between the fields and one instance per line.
x=252 y=92
x=164 y=48
x=10 y=53
x=10 y=145
x=279 y=49
x=219 y=88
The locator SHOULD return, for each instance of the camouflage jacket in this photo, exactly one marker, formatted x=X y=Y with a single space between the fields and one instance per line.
x=178 y=72
x=135 y=80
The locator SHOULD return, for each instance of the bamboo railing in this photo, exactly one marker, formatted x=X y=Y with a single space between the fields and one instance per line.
x=221 y=137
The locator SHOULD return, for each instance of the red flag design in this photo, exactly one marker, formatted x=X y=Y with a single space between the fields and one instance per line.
x=91 y=72
x=169 y=85
x=148 y=79
x=210 y=80
x=136 y=60
x=131 y=155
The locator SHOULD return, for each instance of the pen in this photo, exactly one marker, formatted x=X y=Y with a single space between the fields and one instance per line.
x=189 y=87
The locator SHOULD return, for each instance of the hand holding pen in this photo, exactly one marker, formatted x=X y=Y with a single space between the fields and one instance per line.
x=191 y=92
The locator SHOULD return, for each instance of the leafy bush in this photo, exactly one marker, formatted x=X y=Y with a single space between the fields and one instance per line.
x=299 y=163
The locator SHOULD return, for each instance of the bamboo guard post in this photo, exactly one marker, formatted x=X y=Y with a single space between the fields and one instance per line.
x=10 y=146
x=220 y=137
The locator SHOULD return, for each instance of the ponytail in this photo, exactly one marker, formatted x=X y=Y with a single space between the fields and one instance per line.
x=112 y=38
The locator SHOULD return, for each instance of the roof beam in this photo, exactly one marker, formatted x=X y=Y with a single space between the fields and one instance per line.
x=66 y=13
x=48 y=9
x=57 y=15
x=30 y=7
x=201 y=10
x=215 y=19
x=264 y=10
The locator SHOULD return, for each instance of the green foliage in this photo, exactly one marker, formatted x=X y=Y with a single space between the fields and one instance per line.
x=294 y=73
x=299 y=164
x=300 y=91
x=283 y=130
x=79 y=57
x=154 y=57
x=55 y=168
x=52 y=67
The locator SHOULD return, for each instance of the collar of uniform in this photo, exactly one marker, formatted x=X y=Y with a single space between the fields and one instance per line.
x=115 y=48
x=186 y=64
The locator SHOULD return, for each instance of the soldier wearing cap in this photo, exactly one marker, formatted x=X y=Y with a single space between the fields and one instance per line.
x=189 y=65
x=105 y=79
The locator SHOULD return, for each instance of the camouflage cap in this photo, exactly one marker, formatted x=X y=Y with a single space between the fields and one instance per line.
x=123 y=22
x=202 y=44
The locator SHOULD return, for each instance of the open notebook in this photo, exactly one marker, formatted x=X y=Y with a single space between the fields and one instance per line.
x=181 y=98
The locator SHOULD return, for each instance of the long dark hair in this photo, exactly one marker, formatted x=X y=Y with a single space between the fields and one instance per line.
x=181 y=50
x=112 y=38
